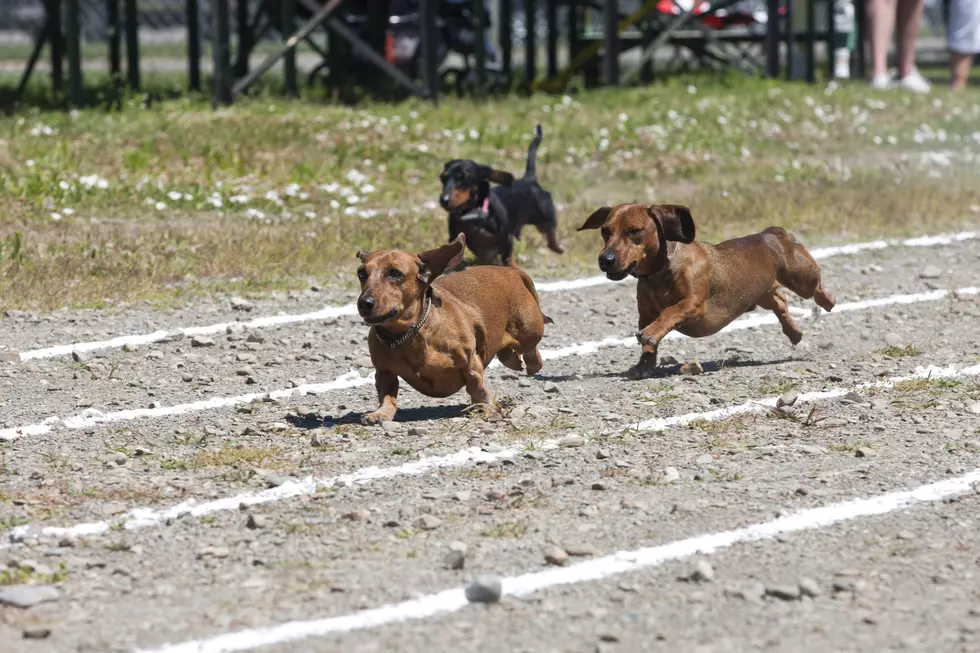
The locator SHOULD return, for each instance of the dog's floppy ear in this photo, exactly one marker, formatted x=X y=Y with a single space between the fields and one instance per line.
x=497 y=176
x=361 y=254
x=676 y=221
x=597 y=219
x=434 y=262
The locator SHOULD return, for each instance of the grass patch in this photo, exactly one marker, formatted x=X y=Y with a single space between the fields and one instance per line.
x=900 y=352
x=509 y=530
x=237 y=456
x=26 y=575
x=714 y=427
x=849 y=447
x=158 y=202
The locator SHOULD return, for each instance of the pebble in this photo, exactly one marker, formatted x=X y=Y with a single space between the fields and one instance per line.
x=551 y=387
x=581 y=550
x=809 y=587
x=784 y=592
x=704 y=459
x=428 y=522
x=454 y=560
x=603 y=454
x=485 y=589
x=156 y=354
x=120 y=458
x=214 y=552
x=80 y=356
x=240 y=304
x=357 y=515
x=27 y=596
x=692 y=369
x=37 y=632
x=202 y=341
x=753 y=592
x=864 y=452
x=788 y=399
x=894 y=340
x=256 y=521
x=555 y=555
x=703 y=572
x=930 y=272
x=600 y=486
x=974 y=408
x=573 y=440
x=671 y=475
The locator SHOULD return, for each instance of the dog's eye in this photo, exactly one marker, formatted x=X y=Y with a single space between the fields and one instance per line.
x=394 y=274
x=362 y=274
x=635 y=232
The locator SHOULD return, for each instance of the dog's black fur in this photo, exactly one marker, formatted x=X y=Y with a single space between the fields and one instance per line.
x=513 y=204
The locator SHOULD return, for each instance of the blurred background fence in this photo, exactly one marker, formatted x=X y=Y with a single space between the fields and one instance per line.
x=146 y=45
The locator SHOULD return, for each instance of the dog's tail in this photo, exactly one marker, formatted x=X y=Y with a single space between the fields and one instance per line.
x=529 y=284
x=532 y=153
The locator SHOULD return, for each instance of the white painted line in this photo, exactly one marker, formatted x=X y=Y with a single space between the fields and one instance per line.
x=622 y=562
x=352 y=379
x=544 y=287
x=145 y=517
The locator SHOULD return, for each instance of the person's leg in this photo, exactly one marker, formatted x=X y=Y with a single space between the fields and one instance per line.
x=909 y=18
x=961 y=70
x=881 y=22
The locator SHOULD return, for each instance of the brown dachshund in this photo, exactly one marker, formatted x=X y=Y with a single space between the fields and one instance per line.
x=697 y=288
x=440 y=333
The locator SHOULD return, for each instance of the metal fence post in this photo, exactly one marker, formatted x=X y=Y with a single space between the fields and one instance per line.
x=551 y=19
x=479 y=45
x=772 y=38
x=504 y=25
x=610 y=35
x=73 y=33
x=430 y=75
x=530 y=45
x=289 y=59
x=57 y=37
x=790 y=40
x=132 y=45
x=831 y=37
x=860 y=24
x=811 y=36
x=222 y=73
x=244 y=37
x=115 y=37
x=193 y=46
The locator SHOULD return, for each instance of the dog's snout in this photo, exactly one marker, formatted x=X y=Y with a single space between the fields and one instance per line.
x=607 y=261
x=444 y=200
x=365 y=305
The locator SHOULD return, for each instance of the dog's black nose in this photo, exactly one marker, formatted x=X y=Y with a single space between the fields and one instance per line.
x=365 y=305
x=444 y=200
x=607 y=261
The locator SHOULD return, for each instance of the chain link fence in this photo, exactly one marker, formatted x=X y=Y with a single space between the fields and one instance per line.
x=163 y=37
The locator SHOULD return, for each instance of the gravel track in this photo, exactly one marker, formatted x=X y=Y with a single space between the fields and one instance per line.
x=336 y=550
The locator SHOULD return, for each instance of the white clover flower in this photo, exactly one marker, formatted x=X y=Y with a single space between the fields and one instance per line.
x=238 y=199
x=160 y=206
x=55 y=216
x=174 y=196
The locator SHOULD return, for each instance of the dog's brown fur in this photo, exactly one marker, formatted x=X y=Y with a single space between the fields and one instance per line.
x=694 y=287
x=475 y=315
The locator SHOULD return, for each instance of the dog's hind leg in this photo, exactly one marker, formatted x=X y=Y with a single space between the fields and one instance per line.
x=510 y=359
x=774 y=301
x=798 y=271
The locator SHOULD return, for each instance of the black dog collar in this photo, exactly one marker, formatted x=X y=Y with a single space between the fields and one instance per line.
x=412 y=330
x=480 y=213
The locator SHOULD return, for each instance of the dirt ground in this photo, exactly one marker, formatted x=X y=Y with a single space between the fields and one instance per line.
x=311 y=546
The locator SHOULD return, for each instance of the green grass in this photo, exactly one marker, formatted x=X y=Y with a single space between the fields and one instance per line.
x=260 y=196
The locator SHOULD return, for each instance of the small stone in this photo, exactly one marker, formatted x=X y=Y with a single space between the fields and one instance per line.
x=930 y=272
x=186 y=378
x=240 y=304
x=864 y=452
x=555 y=555
x=357 y=515
x=905 y=535
x=603 y=454
x=609 y=638
x=295 y=383
x=581 y=550
x=704 y=459
x=37 y=632
x=784 y=592
x=974 y=409
x=788 y=399
x=27 y=596
x=455 y=560
x=600 y=486
x=275 y=480
x=255 y=338
x=80 y=356
x=201 y=341
x=703 y=572
x=753 y=592
x=10 y=356
x=810 y=588
x=428 y=522
x=573 y=440
x=551 y=387
x=156 y=355
x=485 y=589
x=462 y=496
x=318 y=440
x=671 y=475
x=692 y=369
x=256 y=521
x=668 y=361
x=214 y=552
x=120 y=458
x=894 y=340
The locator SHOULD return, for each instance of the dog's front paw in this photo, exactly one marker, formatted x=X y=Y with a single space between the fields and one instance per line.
x=645 y=340
x=642 y=370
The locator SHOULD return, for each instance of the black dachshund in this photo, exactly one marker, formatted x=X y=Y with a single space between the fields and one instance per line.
x=493 y=218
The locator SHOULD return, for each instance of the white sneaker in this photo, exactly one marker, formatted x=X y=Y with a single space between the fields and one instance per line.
x=915 y=82
x=882 y=82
